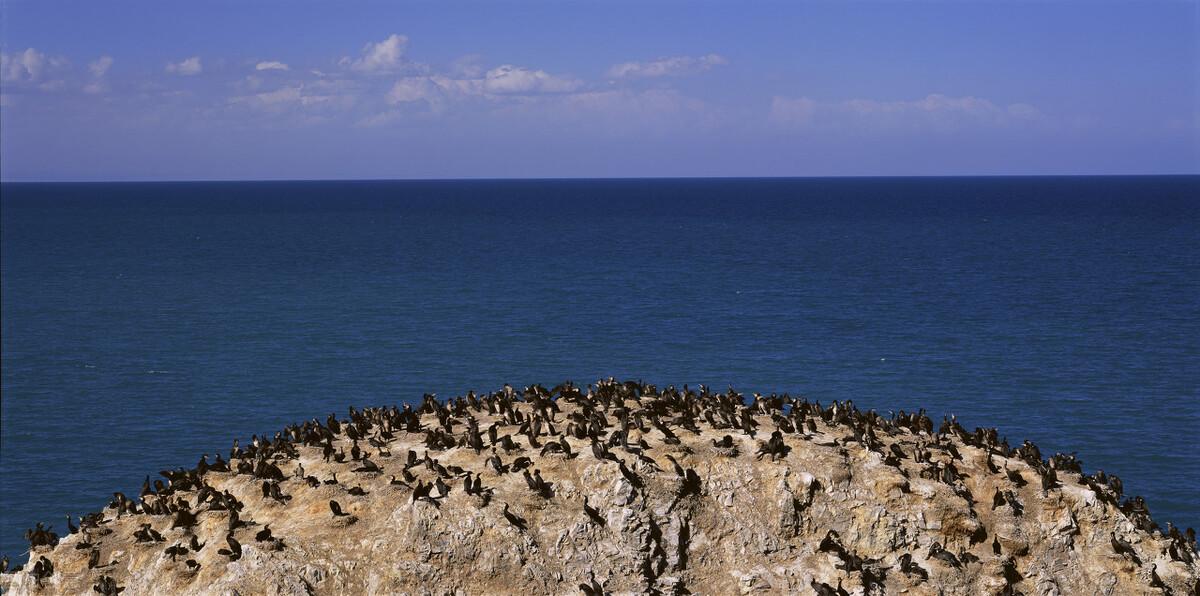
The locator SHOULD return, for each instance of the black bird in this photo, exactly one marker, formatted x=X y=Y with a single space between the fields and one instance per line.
x=1157 y=582
x=979 y=535
x=831 y=543
x=336 y=508
x=264 y=534
x=421 y=491
x=234 y=552
x=357 y=491
x=235 y=519
x=1015 y=504
x=107 y=586
x=70 y=527
x=42 y=569
x=996 y=545
x=593 y=513
x=178 y=550
x=1123 y=548
x=997 y=499
x=724 y=442
x=823 y=589
x=195 y=544
x=1011 y=575
x=521 y=463
x=147 y=534
x=909 y=568
x=599 y=451
x=183 y=519
x=1049 y=480
x=517 y=521
x=193 y=566
x=93 y=558
x=937 y=552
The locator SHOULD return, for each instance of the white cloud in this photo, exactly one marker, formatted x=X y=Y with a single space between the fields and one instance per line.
x=666 y=67
x=410 y=89
x=933 y=112
x=270 y=65
x=517 y=80
x=100 y=66
x=294 y=96
x=188 y=67
x=27 y=66
x=495 y=84
x=385 y=56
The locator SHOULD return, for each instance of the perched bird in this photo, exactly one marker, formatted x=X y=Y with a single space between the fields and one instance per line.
x=176 y=550
x=107 y=586
x=234 y=552
x=936 y=551
x=336 y=508
x=908 y=567
x=1124 y=548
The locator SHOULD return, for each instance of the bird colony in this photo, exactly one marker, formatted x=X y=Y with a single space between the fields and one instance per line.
x=618 y=488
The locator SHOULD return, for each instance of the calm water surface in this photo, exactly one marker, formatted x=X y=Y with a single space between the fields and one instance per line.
x=145 y=324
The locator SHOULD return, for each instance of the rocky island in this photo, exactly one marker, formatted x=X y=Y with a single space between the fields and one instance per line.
x=619 y=487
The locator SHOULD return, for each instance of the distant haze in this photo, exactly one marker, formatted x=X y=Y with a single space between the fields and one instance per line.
x=149 y=91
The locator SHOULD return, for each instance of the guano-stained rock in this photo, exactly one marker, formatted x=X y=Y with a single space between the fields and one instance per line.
x=838 y=501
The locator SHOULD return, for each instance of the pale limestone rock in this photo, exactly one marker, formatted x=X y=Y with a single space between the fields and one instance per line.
x=754 y=528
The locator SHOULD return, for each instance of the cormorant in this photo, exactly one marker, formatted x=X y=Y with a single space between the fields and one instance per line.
x=336 y=508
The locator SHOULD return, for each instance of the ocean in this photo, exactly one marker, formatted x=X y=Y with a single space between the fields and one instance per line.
x=145 y=324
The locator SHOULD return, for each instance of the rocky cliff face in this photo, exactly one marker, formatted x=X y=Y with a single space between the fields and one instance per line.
x=839 y=501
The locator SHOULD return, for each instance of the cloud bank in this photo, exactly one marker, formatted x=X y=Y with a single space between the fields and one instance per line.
x=666 y=67
x=934 y=112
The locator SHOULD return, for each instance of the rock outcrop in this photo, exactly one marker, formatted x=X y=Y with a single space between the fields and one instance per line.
x=620 y=488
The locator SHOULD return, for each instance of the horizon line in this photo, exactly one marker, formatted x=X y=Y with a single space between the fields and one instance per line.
x=588 y=178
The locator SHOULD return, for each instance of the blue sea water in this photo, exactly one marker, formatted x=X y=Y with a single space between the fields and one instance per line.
x=145 y=324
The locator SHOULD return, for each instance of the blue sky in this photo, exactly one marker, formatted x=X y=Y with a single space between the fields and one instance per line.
x=135 y=90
